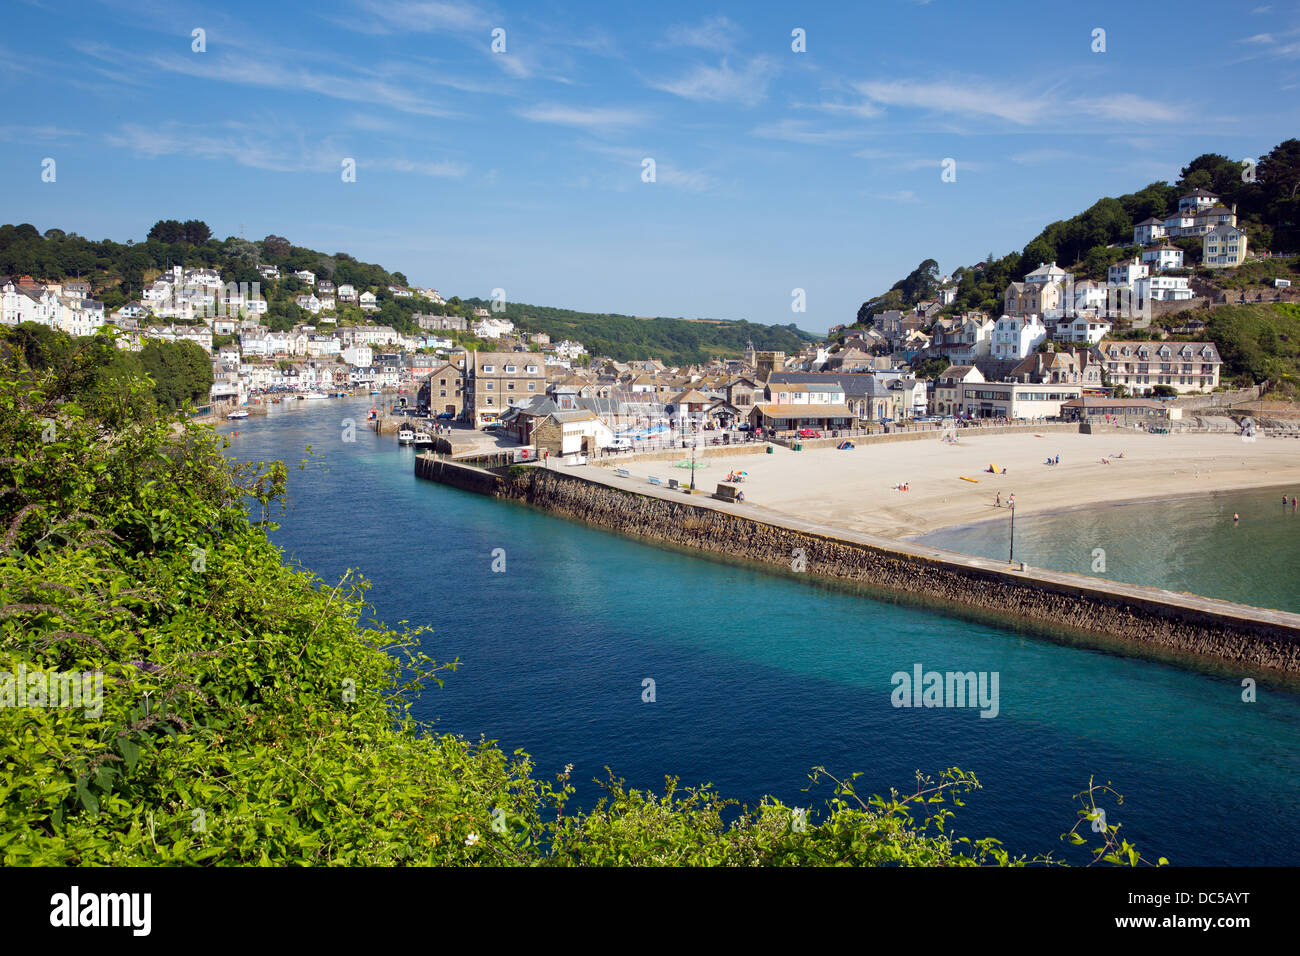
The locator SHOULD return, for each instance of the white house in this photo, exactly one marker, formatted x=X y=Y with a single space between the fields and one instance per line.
x=358 y=355
x=1163 y=257
x=1148 y=231
x=1162 y=289
x=369 y=303
x=1014 y=337
x=1196 y=200
x=1126 y=273
x=1082 y=329
x=307 y=276
x=1089 y=296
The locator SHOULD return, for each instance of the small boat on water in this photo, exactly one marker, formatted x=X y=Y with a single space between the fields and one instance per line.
x=405 y=436
x=237 y=413
x=374 y=391
x=316 y=396
x=423 y=438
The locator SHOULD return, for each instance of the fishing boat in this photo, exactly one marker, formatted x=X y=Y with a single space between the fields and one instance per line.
x=423 y=439
x=316 y=396
x=405 y=435
x=237 y=413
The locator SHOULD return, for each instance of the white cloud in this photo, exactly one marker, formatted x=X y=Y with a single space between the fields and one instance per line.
x=974 y=98
x=37 y=134
x=589 y=118
x=1036 y=157
x=722 y=83
x=249 y=144
x=983 y=99
x=718 y=34
x=420 y=16
x=903 y=195
x=248 y=71
x=443 y=170
x=801 y=131
x=1129 y=107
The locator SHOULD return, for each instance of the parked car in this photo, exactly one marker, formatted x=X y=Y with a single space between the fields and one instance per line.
x=447 y=415
x=809 y=433
x=618 y=444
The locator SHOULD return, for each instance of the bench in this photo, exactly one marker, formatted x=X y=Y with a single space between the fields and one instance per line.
x=725 y=493
x=623 y=471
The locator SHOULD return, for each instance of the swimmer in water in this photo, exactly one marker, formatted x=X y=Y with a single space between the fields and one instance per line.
x=1235 y=517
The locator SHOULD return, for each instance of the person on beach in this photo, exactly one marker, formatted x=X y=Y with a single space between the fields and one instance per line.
x=1293 y=502
x=999 y=499
x=1011 y=501
x=1235 y=517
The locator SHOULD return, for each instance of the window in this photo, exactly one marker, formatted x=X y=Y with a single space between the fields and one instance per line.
x=510 y=369
x=488 y=369
x=532 y=370
x=532 y=386
x=510 y=386
x=489 y=386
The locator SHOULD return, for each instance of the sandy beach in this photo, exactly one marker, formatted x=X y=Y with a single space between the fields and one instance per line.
x=856 y=488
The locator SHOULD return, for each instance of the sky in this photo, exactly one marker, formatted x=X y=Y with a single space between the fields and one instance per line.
x=523 y=168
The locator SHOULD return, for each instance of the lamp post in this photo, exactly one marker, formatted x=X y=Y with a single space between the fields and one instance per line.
x=1012 y=552
x=693 y=443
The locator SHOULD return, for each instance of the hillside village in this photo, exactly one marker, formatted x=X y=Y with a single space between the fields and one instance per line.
x=1061 y=348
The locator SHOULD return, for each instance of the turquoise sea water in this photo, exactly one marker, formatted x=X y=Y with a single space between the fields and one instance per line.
x=1188 y=544
x=759 y=676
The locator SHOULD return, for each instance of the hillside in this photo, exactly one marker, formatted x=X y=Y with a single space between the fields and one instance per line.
x=675 y=341
x=1268 y=209
x=119 y=272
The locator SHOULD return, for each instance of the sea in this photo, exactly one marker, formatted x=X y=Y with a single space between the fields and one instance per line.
x=585 y=647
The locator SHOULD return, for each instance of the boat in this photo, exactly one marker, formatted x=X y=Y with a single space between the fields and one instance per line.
x=405 y=436
x=423 y=438
x=316 y=396
x=374 y=391
x=237 y=413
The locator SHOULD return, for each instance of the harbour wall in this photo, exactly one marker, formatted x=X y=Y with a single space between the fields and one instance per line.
x=1162 y=621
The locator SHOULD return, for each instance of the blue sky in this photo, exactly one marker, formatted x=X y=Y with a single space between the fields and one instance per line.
x=522 y=170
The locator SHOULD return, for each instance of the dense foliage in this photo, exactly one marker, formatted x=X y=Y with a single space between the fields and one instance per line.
x=1258 y=343
x=674 y=341
x=178 y=372
x=252 y=713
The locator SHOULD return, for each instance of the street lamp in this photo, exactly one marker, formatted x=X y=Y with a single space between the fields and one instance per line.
x=693 y=443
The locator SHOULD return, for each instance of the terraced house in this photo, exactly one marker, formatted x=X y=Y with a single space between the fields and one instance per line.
x=1141 y=366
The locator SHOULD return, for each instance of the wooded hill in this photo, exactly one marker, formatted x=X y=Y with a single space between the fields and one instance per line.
x=675 y=341
x=1268 y=209
x=119 y=272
